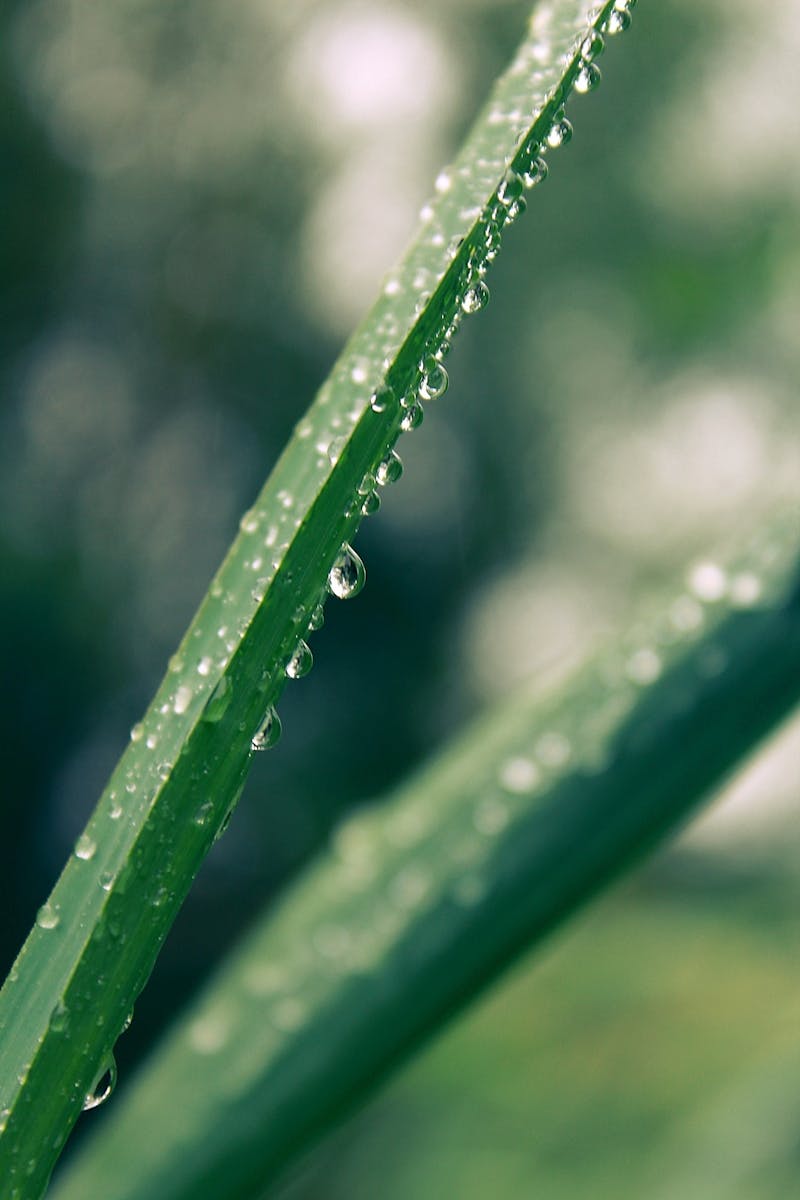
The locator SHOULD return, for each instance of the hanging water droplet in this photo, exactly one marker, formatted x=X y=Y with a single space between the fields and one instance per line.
x=317 y=618
x=587 y=79
x=510 y=188
x=434 y=380
x=535 y=173
x=383 y=398
x=618 y=21
x=270 y=732
x=47 y=917
x=560 y=133
x=372 y=500
x=137 y=732
x=103 y=1085
x=592 y=45
x=367 y=484
x=475 y=298
x=183 y=698
x=85 y=847
x=301 y=662
x=335 y=449
x=218 y=701
x=59 y=1017
x=390 y=470
x=516 y=209
x=348 y=573
x=413 y=418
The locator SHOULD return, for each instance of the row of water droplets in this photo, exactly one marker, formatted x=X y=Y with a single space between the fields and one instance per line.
x=429 y=378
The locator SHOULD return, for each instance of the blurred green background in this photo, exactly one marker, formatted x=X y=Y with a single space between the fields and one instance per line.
x=200 y=200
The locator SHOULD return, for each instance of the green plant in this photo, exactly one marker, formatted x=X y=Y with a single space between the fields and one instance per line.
x=180 y=778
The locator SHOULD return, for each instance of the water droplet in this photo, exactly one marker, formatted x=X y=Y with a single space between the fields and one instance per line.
x=204 y=666
x=335 y=449
x=592 y=45
x=106 y=881
x=510 y=189
x=708 y=581
x=218 y=701
x=413 y=418
x=126 y=1024
x=560 y=133
x=587 y=79
x=390 y=470
x=47 y=917
x=137 y=732
x=103 y=1085
x=383 y=398
x=443 y=182
x=301 y=662
x=618 y=21
x=59 y=1017
x=249 y=522
x=519 y=775
x=317 y=618
x=151 y=741
x=475 y=298
x=348 y=573
x=85 y=847
x=182 y=700
x=270 y=732
x=535 y=173
x=434 y=380
x=371 y=503
x=367 y=484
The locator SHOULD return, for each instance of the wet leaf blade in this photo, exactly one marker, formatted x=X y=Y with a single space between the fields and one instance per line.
x=85 y=962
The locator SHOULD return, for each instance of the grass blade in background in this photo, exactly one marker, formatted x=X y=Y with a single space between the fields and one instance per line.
x=96 y=939
x=426 y=899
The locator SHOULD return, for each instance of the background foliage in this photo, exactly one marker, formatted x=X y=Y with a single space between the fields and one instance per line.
x=197 y=212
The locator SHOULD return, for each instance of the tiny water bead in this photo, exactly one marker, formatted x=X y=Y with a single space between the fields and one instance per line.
x=560 y=133
x=434 y=380
x=510 y=189
x=371 y=503
x=519 y=775
x=587 y=79
x=85 y=847
x=301 y=661
x=317 y=618
x=413 y=418
x=475 y=298
x=137 y=732
x=103 y=1085
x=390 y=470
x=592 y=46
x=47 y=917
x=269 y=733
x=383 y=398
x=534 y=173
x=218 y=701
x=183 y=698
x=348 y=574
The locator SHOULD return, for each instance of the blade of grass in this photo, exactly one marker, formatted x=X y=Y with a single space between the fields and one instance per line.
x=424 y=900
x=96 y=939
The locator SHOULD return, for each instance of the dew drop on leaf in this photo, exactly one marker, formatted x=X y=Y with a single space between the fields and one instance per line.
x=434 y=381
x=85 y=847
x=475 y=298
x=390 y=470
x=301 y=662
x=383 y=398
x=47 y=917
x=413 y=418
x=270 y=732
x=587 y=79
x=218 y=701
x=348 y=574
x=103 y=1085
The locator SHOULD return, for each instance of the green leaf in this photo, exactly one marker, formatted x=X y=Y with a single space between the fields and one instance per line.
x=423 y=900
x=95 y=941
